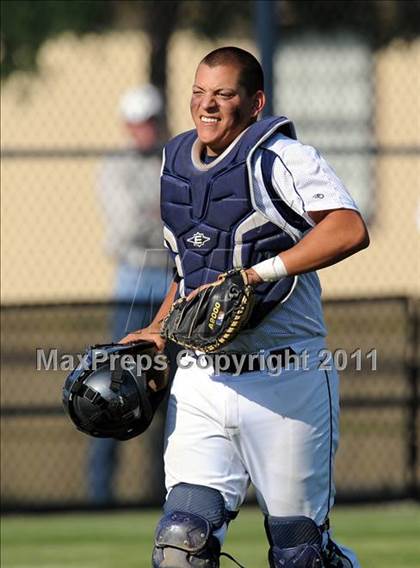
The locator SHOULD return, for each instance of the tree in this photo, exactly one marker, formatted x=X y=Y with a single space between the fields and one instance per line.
x=26 y=24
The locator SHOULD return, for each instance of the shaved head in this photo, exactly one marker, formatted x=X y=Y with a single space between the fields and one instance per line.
x=251 y=74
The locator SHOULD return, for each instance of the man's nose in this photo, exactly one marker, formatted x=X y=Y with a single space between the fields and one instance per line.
x=209 y=102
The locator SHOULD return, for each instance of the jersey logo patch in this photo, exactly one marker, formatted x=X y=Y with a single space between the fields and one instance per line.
x=198 y=240
x=318 y=196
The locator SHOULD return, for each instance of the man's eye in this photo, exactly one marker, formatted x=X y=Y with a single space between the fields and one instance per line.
x=197 y=93
x=225 y=95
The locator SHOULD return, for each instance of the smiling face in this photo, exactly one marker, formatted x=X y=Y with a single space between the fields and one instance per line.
x=220 y=106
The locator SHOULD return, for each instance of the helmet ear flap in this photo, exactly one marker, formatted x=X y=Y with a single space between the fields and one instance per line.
x=110 y=400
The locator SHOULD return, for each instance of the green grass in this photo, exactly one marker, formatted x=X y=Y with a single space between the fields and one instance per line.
x=384 y=537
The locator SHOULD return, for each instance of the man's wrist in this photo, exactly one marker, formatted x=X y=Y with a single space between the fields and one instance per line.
x=155 y=326
x=270 y=270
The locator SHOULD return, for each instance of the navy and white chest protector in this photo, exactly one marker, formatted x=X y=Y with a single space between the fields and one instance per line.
x=211 y=220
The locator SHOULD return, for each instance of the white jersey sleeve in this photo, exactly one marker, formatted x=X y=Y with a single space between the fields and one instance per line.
x=304 y=179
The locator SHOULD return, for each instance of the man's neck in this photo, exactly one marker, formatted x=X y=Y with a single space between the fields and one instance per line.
x=207 y=158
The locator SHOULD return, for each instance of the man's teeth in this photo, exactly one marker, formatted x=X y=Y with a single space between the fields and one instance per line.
x=209 y=119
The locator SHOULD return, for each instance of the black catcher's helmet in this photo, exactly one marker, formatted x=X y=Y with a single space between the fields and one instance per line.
x=116 y=389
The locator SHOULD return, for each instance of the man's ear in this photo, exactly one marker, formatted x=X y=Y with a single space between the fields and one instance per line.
x=259 y=103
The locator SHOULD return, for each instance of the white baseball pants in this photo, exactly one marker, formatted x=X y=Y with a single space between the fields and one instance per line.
x=278 y=432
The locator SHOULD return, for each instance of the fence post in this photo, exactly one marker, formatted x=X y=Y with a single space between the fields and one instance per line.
x=412 y=359
x=264 y=31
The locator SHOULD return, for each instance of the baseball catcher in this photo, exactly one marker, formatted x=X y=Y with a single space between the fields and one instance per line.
x=242 y=193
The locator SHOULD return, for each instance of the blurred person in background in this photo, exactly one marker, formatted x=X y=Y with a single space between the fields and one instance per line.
x=128 y=190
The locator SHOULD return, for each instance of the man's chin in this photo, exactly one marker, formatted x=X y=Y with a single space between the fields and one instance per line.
x=208 y=140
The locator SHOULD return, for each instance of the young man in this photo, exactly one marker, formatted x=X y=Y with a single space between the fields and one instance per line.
x=237 y=192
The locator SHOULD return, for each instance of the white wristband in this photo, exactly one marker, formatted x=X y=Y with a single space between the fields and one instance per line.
x=271 y=270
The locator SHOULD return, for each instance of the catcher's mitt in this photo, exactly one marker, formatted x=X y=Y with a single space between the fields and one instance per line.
x=214 y=316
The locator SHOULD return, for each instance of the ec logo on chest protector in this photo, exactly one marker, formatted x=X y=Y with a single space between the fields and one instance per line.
x=216 y=316
x=198 y=239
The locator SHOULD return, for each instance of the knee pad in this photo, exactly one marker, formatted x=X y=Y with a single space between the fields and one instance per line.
x=295 y=542
x=185 y=534
x=334 y=557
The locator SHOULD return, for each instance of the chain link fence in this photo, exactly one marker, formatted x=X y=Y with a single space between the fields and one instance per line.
x=358 y=107
x=353 y=100
x=45 y=460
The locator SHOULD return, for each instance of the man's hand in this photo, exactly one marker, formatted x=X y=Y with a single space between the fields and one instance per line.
x=212 y=315
x=253 y=278
x=150 y=333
